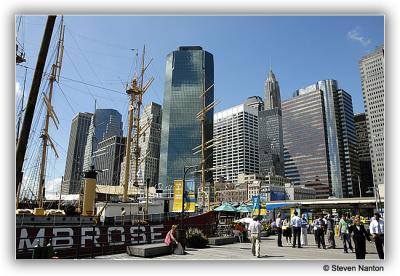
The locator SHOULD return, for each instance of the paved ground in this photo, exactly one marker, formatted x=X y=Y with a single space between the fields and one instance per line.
x=269 y=251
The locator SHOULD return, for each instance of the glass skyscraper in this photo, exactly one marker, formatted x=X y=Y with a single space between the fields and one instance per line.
x=320 y=138
x=189 y=72
x=106 y=123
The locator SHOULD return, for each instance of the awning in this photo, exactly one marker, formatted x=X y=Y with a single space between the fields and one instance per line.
x=272 y=206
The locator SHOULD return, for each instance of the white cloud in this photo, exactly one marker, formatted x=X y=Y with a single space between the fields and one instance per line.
x=357 y=36
x=53 y=186
x=18 y=89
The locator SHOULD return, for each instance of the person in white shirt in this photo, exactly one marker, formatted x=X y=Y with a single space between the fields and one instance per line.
x=296 y=226
x=123 y=213
x=304 y=230
x=278 y=223
x=255 y=228
x=377 y=229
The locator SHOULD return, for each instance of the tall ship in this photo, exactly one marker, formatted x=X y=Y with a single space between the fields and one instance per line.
x=100 y=219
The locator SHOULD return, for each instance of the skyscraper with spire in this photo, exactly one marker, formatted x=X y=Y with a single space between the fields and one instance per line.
x=270 y=135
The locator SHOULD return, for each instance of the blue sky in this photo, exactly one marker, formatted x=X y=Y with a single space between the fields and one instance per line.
x=302 y=50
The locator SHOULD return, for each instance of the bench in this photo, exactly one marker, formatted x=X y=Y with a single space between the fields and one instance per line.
x=148 y=250
x=221 y=240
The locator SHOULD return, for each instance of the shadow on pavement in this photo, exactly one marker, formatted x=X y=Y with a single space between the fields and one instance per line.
x=271 y=256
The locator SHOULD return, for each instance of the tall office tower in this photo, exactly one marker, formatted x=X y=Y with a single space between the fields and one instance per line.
x=270 y=134
x=364 y=156
x=75 y=154
x=372 y=70
x=189 y=72
x=105 y=123
x=108 y=158
x=272 y=92
x=319 y=138
x=149 y=143
x=255 y=102
x=347 y=141
x=236 y=152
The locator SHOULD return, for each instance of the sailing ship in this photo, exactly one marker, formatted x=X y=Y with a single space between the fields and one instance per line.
x=89 y=226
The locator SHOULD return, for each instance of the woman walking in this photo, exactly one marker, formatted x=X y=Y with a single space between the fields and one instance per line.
x=287 y=231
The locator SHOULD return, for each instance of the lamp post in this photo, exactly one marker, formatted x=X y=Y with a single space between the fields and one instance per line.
x=186 y=169
x=359 y=184
x=181 y=236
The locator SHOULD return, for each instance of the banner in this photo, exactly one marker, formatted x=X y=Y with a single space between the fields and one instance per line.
x=177 y=207
x=190 y=196
x=256 y=202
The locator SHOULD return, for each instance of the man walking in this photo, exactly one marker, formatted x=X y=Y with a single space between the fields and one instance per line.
x=278 y=223
x=330 y=231
x=255 y=235
x=296 y=229
x=376 y=228
x=320 y=224
x=344 y=230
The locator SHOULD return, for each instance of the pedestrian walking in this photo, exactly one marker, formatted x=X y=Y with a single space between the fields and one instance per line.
x=330 y=231
x=287 y=231
x=123 y=213
x=320 y=223
x=359 y=237
x=304 y=229
x=255 y=236
x=296 y=229
x=376 y=228
x=278 y=223
x=344 y=230
x=314 y=227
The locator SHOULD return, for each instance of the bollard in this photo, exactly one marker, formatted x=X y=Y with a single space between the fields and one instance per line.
x=37 y=252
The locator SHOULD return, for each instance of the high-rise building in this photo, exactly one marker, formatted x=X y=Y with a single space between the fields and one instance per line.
x=255 y=102
x=149 y=143
x=372 y=70
x=320 y=139
x=364 y=156
x=270 y=135
x=189 y=72
x=272 y=92
x=347 y=140
x=108 y=157
x=236 y=149
x=104 y=124
x=75 y=154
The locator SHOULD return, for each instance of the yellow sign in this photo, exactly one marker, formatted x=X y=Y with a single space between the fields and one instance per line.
x=190 y=197
x=178 y=185
x=260 y=212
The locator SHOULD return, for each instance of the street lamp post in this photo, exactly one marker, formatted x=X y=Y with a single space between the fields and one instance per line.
x=181 y=232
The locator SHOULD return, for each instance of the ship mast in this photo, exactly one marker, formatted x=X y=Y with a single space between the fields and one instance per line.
x=205 y=145
x=136 y=92
x=30 y=105
x=55 y=75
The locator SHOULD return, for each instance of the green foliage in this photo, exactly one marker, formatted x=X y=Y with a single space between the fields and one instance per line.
x=195 y=238
x=266 y=228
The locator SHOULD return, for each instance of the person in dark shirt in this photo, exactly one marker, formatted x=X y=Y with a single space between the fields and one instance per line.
x=360 y=236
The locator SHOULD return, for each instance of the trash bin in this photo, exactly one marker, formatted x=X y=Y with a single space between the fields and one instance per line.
x=181 y=237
